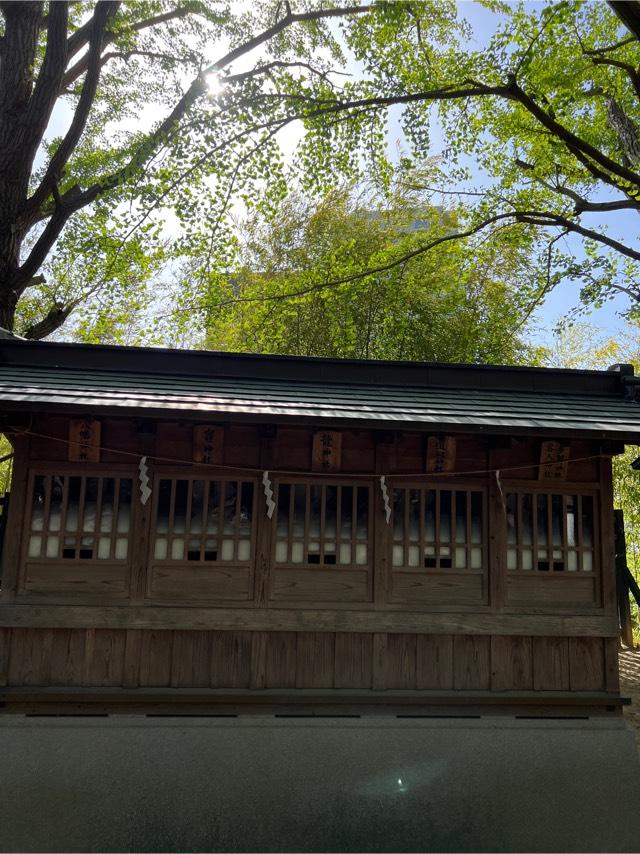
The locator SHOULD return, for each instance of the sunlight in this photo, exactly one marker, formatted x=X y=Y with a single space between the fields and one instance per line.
x=214 y=84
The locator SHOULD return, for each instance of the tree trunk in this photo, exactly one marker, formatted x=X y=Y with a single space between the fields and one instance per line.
x=17 y=61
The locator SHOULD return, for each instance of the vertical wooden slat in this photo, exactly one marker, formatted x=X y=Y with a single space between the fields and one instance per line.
x=471 y=662
x=400 y=662
x=315 y=660
x=289 y=535
x=141 y=542
x=421 y=544
x=231 y=659
x=263 y=530
x=156 y=658
x=434 y=662
x=338 y=522
x=579 y=539
x=106 y=666
x=380 y=536
x=97 y=518
x=494 y=537
x=519 y=543
x=406 y=506
x=115 y=510
x=191 y=659
x=48 y=489
x=80 y=518
x=586 y=664
x=611 y=670
x=379 y=660
x=550 y=664
x=171 y=520
x=64 y=507
x=258 y=673
x=511 y=663
x=132 y=658
x=604 y=560
x=323 y=519
x=281 y=660
x=187 y=517
x=14 y=538
x=30 y=657
x=67 y=657
x=4 y=656
x=353 y=660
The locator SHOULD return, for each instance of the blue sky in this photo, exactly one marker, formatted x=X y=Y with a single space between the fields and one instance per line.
x=564 y=298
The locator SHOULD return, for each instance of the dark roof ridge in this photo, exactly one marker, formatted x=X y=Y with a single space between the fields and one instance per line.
x=314 y=369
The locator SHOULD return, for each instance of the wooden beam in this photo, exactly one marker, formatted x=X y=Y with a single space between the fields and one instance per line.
x=293 y=619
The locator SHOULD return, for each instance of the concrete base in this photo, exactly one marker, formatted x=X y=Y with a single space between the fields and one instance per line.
x=326 y=784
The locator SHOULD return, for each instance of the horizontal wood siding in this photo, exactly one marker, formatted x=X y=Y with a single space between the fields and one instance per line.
x=289 y=660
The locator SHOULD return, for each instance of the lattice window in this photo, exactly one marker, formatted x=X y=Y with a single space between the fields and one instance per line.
x=323 y=524
x=78 y=517
x=550 y=532
x=204 y=520
x=438 y=528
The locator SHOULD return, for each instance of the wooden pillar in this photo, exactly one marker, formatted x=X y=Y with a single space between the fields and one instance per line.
x=497 y=537
x=381 y=566
x=607 y=538
x=264 y=525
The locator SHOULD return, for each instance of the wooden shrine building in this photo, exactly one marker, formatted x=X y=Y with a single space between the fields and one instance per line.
x=256 y=532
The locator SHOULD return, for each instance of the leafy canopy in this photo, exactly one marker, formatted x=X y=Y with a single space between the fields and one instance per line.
x=165 y=116
x=444 y=305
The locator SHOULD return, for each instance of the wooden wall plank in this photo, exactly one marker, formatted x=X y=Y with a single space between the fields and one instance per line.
x=291 y=618
x=353 y=660
x=105 y=657
x=156 y=657
x=611 y=669
x=586 y=664
x=315 y=657
x=231 y=660
x=511 y=664
x=132 y=658
x=191 y=659
x=379 y=660
x=607 y=538
x=280 y=670
x=30 y=656
x=400 y=662
x=4 y=656
x=471 y=663
x=551 y=664
x=320 y=585
x=67 y=657
x=434 y=662
x=258 y=661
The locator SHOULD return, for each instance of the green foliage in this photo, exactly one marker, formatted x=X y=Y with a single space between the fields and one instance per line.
x=5 y=467
x=295 y=286
x=517 y=113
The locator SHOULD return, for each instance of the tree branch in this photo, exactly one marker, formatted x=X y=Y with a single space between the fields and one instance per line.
x=104 y=11
x=197 y=88
x=582 y=205
x=54 y=318
x=632 y=72
x=77 y=42
x=572 y=141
